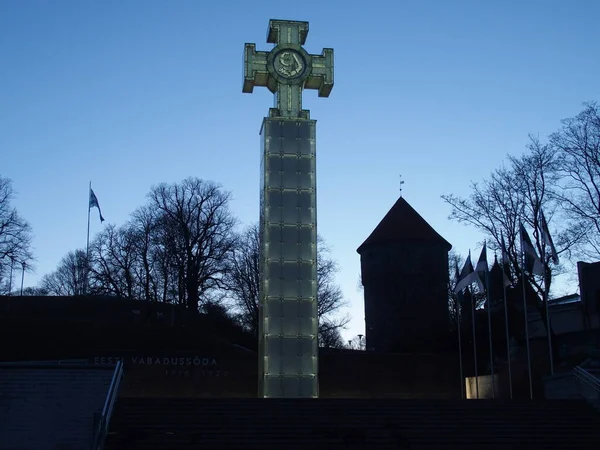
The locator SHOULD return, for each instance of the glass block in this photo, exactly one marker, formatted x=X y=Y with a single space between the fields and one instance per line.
x=289 y=173
x=290 y=387
x=290 y=271
x=272 y=128
x=289 y=287
x=274 y=287
x=307 y=356
x=274 y=270
x=290 y=234
x=290 y=356
x=308 y=387
x=272 y=348
x=274 y=313
x=305 y=235
x=290 y=212
x=274 y=197
x=305 y=147
x=290 y=317
x=273 y=249
x=273 y=386
x=306 y=129
x=273 y=169
x=290 y=251
x=308 y=317
x=289 y=146
x=307 y=288
x=306 y=207
x=289 y=129
x=274 y=233
x=305 y=251
x=306 y=271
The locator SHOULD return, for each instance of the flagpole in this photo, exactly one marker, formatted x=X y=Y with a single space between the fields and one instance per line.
x=462 y=379
x=87 y=245
x=474 y=345
x=489 y=308
x=548 y=327
x=507 y=334
x=526 y=320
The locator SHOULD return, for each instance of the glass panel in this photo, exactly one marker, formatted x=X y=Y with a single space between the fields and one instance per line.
x=290 y=321
x=273 y=354
x=274 y=311
x=291 y=356
x=289 y=251
x=274 y=270
x=305 y=146
x=290 y=287
x=305 y=202
x=306 y=129
x=274 y=233
x=273 y=210
x=305 y=234
x=290 y=387
x=306 y=356
x=272 y=128
x=305 y=271
x=308 y=322
x=274 y=287
x=274 y=250
x=290 y=213
x=306 y=288
x=305 y=251
x=289 y=146
x=289 y=129
x=289 y=271
x=273 y=386
x=308 y=387
x=289 y=176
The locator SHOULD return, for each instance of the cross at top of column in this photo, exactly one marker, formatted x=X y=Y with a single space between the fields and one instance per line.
x=288 y=69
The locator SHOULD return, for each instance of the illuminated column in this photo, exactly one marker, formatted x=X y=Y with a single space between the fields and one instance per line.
x=288 y=320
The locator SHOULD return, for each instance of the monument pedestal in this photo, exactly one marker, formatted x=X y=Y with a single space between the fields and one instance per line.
x=288 y=321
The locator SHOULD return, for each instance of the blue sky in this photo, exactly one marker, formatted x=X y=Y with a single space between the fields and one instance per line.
x=128 y=94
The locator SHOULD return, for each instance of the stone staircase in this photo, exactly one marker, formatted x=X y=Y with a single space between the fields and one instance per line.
x=289 y=424
x=51 y=405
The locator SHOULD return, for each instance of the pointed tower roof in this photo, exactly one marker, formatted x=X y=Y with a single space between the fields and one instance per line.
x=402 y=223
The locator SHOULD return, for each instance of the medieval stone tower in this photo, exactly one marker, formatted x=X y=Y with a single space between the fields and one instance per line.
x=404 y=269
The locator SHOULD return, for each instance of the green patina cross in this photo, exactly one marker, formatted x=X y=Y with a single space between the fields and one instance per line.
x=288 y=68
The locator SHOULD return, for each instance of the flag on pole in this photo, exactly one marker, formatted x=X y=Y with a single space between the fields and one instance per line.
x=482 y=264
x=533 y=263
x=94 y=204
x=467 y=276
x=548 y=239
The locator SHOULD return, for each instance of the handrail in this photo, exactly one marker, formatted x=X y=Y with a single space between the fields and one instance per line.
x=103 y=420
x=590 y=380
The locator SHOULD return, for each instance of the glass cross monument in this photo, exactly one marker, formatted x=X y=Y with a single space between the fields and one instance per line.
x=288 y=319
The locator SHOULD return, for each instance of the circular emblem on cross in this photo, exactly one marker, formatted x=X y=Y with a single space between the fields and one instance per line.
x=289 y=64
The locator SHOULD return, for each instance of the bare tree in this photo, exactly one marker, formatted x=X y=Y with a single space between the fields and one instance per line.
x=243 y=278
x=578 y=144
x=516 y=194
x=243 y=283
x=15 y=236
x=197 y=228
x=69 y=278
x=113 y=259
